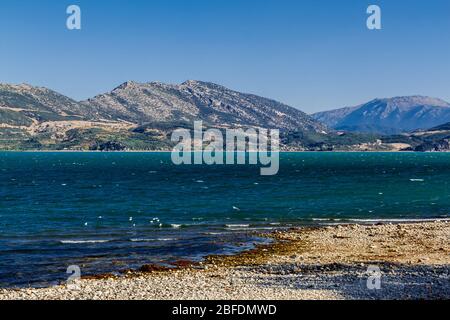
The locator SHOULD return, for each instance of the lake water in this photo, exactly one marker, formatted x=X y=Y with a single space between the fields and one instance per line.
x=111 y=211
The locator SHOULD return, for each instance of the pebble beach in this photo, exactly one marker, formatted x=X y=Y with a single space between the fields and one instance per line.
x=310 y=263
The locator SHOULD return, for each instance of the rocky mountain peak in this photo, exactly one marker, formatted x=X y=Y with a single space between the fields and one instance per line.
x=127 y=85
x=197 y=100
x=413 y=101
x=191 y=83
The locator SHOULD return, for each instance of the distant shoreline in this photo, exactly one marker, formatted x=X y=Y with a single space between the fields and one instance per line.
x=166 y=151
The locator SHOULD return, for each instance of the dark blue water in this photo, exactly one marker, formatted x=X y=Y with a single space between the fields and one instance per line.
x=111 y=211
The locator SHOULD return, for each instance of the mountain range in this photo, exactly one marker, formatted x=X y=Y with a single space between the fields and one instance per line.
x=388 y=116
x=135 y=115
x=196 y=100
x=142 y=116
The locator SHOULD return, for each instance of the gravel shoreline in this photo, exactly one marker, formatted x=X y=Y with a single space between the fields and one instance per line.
x=334 y=262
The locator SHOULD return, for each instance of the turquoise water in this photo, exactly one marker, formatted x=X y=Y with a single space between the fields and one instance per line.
x=111 y=211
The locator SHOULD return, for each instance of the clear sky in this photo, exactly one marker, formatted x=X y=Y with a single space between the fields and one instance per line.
x=311 y=54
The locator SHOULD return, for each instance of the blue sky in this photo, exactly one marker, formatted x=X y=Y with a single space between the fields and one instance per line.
x=312 y=54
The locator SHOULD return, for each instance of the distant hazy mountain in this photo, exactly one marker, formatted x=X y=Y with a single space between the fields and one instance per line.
x=195 y=100
x=389 y=116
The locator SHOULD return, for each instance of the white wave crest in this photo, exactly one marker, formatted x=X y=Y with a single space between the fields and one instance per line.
x=83 y=241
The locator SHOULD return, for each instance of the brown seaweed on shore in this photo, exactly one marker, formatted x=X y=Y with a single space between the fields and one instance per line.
x=101 y=276
x=183 y=263
x=149 y=268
